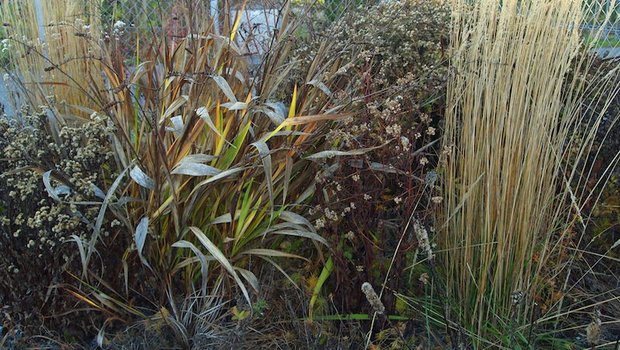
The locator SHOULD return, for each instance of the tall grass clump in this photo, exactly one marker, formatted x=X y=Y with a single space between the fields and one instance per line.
x=212 y=170
x=55 y=52
x=515 y=163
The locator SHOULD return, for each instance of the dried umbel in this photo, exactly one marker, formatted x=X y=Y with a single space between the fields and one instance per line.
x=373 y=298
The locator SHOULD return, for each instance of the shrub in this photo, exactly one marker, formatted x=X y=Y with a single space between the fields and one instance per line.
x=366 y=194
x=76 y=162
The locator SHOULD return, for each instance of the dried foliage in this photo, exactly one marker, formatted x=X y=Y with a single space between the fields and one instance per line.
x=49 y=181
x=367 y=192
x=514 y=178
x=159 y=184
x=208 y=172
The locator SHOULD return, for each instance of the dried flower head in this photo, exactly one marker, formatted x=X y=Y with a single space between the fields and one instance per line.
x=349 y=235
x=593 y=330
x=423 y=241
x=424 y=278
x=39 y=213
x=404 y=69
x=517 y=297
x=373 y=298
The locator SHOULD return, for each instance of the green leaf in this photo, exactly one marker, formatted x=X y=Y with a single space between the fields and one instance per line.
x=141 y=178
x=325 y=273
x=335 y=153
x=231 y=153
x=82 y=251
x=177 y=125
x=301 y=233
x=48 y=186
x=288 y=171
x=203 y=113
x=222 y=175
x=249 y=276
x=239 y=315
x=235 y=106
x=139 y=72
x=356 y=317
x=246 y=203
x=198 y=158
x=101 y=215
x=195 y=169
x=174 y=106
x=297 y=219
x=272 y=253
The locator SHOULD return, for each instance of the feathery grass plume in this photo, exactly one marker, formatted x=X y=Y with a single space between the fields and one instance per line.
x=423 y=240
x=57 y=53
x=509 y=128
x=593 y=330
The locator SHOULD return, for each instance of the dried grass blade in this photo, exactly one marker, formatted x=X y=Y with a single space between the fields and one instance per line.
x=219 y=256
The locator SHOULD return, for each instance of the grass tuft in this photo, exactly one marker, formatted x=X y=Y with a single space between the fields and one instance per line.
x=513 y=191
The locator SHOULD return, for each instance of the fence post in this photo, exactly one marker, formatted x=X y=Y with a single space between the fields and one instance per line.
x=40 y=19
x=38 y=9
x=215 y=15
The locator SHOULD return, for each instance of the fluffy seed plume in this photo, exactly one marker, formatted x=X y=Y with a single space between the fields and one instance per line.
x=423 y=241
x=593 y=331
x=373 y=298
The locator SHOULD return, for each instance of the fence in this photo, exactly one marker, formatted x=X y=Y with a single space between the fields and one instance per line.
x=128 y=20
x=165 y=17
x=602 y=16
x=599 y=14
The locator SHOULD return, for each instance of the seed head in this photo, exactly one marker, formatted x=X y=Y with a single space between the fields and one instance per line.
x=593 y=331
x=373 y=298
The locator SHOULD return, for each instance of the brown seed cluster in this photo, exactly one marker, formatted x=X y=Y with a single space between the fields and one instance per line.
x=394 y=75
x=35 y=226
x=373 y=298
